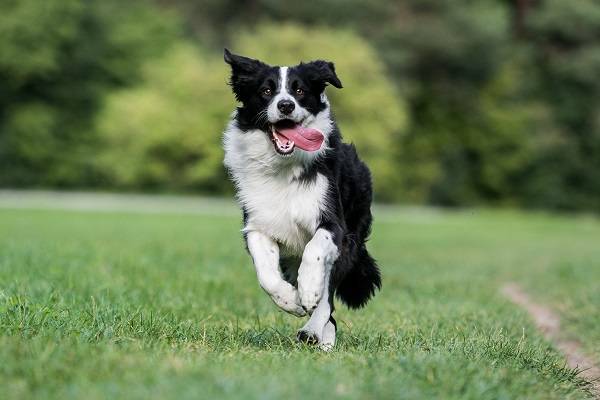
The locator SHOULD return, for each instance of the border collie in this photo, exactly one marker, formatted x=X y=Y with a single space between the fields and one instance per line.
x=305 y=195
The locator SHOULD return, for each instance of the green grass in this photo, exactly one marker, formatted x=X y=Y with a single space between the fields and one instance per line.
x=137 y=306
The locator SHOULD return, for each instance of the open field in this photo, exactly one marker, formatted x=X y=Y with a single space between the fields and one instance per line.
x=164 y=303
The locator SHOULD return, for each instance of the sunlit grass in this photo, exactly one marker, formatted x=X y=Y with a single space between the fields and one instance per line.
x=122 y=305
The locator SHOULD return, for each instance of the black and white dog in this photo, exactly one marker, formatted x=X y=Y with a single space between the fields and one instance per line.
x=305 y=195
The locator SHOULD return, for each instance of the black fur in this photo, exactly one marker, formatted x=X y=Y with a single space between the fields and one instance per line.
x=355 y=275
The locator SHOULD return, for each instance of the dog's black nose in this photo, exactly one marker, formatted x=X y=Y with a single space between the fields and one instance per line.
x=286 y=106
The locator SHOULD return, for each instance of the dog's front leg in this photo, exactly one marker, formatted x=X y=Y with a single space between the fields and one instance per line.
x=265 y=254
x=317 y=260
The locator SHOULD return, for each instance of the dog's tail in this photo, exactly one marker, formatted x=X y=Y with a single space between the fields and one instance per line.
x=360 y=282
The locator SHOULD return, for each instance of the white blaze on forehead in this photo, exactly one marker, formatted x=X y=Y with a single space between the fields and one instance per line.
x=283 y=93
x=283 y=71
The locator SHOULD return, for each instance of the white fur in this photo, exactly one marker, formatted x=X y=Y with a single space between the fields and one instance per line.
x=328 y=339
x=278 y=204
x=318 y=258
x=265 y=254
x=317 y=263
x=287 y=212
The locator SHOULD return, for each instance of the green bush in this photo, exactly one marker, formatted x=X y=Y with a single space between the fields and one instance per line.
x=57 y=59
x=166 y=132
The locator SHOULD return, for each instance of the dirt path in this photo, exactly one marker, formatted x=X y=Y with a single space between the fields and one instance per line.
x=548 y=322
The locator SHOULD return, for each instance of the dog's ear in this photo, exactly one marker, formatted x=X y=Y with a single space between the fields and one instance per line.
x=243 y=71
x=323 y=72
x=241 y=64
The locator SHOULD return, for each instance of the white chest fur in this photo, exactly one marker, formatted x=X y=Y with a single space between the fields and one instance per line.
x=288 y=212
x=277 y=203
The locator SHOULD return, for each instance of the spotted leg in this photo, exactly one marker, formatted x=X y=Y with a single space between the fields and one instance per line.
x=313 y=275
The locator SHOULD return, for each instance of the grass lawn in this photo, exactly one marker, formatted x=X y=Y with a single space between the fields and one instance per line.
x=166 y=305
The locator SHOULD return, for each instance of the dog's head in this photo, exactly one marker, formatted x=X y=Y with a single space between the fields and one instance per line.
x=284 y=102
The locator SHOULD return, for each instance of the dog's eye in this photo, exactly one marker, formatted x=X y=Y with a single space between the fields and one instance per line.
x=299 y=92
x=267 y=92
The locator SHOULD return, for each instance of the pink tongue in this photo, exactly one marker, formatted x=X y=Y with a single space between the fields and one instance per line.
x=306 y=138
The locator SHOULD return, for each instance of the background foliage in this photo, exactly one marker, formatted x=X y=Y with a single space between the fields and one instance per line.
x=451 y=102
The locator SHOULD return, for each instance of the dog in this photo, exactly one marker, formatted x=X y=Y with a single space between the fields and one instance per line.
x=305 y=195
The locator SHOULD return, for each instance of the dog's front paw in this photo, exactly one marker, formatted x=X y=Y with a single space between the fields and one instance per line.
x=310 y=289
x=308 y=337
x=323 y=338
x=286 y=297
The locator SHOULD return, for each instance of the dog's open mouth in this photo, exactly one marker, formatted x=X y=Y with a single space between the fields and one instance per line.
x=286 y=135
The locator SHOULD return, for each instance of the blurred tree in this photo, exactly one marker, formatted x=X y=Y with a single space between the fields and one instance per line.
x=466 y=143
x=57 y=58
x=566 y=38
x=473 y=122
x=217 y=22
x=166 y=132
x=494 y=102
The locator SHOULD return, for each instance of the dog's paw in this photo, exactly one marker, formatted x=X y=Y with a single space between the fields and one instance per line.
x=310 y=289
x=308 y=337
x=310 y=295
x=325 y=341
x=286 y=297
x=317 y=259
x=328 y=340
